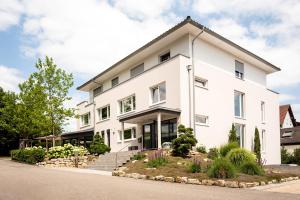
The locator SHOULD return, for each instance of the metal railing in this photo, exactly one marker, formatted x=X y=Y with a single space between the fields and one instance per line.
x=120 y=151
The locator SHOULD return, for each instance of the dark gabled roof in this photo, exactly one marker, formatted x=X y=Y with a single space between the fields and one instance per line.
x=283 y=110
x=179 y=25
x=293 y=139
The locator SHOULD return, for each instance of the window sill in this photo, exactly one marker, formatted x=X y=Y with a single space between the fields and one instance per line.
x=128 y=140
x=263 y=122
x=158 y=103
x=124 y=114
x=241 y=118
x=84 y=126
x=200 y=124
x=198 y=86
x=103 y=120
x=242 y=79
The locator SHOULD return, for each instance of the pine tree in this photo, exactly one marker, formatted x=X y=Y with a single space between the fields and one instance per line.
x=257 y=145
x=232 y=135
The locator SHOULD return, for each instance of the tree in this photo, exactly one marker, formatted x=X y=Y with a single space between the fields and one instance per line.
x=98 y=146
x=257 y=145
x=184 y=143
x=46 y=91
x=232 y=135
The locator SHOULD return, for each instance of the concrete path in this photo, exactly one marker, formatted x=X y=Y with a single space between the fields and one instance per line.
x=22 y=182
x=292 y=187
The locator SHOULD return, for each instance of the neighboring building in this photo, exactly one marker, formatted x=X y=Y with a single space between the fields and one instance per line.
x=290 y=129
x=188 y=75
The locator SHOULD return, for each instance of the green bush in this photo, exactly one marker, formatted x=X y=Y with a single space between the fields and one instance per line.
x=224 y=149
x=238 y=156
x=201 y=149
x=28 y=155
x=66 y=151
x=98 y=146
x=157 y=162
x=213 y=153
x=257 y=145
x=183 y=144
x=286 y=157
x=232 y=135
x=251 y=168
x=138 y=156
x=221 y=168
x=195 y=166
x=297 y=156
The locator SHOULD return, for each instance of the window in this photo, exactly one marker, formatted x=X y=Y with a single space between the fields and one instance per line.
x=127 y=104
x=104 y=113
x=239 y=104
x=114 y=82
x=239 y=70
x=158 y=93
x=164 y=57
x=98 y=90
x=240 y=132
x=201 y=119
x=137 y=70
x=263 y=140
x=102 y=135
x=85 y=119
x=262 y=108
x=129 y=134
x=168 y=130
x=287 y=134
x=199 y=82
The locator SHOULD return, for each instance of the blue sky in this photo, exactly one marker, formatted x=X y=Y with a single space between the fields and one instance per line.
x=87 y=36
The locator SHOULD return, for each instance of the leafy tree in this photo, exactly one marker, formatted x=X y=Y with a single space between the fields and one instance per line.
x=232 y=134
x=98 y=146
x=184 y=143
x=257 y=145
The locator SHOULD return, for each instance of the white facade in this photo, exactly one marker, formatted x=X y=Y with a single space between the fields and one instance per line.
x=287 y=122
x=211 y=98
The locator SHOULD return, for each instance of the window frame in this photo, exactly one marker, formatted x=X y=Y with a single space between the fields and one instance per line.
x=82 y=119
x=99 y=113
x=133 y=135
x=114 y=84
x=135 y=68
x=121 y=104
x=241 y=138
x=238 y=74
x=241 y=106
x=263 y=111
x=263 y=141
x=204 y=81
x=159 y=100
x=201 y=123
x=164 y=54
x=101 y=90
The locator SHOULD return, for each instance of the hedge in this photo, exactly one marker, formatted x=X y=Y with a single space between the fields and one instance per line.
x=28 y=155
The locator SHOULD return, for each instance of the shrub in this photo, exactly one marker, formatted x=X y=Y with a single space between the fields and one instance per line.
x=201 y=149
x=138 y=156
x=232 y=135
x=221 y=168
x=156 y=159
x=66 y=151
x=257 y=145
x=286 y=157
x=98 y=146
x=238 y=156
x=224 y=149
x=183 y=144
x=28 y=155
x=251 y=168
x=297 y=156
x=213 y=153
x=195 y=166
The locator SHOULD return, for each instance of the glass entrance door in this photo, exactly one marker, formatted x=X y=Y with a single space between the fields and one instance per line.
x=149 y=136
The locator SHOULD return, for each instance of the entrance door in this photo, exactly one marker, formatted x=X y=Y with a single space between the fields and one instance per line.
x=149 y=136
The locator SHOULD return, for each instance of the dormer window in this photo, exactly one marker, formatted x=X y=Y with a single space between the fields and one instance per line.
x=239 y=70
x=114 y=82
x=98 y=90
x=164 y=57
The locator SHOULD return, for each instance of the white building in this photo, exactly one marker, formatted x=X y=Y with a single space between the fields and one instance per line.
x=188 y=75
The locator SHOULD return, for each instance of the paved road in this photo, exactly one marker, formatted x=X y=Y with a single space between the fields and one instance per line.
x=22 y=182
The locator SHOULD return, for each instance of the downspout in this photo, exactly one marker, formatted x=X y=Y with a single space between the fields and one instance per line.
x=188 y=67
x=94 y=107
x=193 y=78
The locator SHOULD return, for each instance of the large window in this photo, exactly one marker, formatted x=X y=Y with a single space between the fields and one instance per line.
x=158 y=93
x=114 y=82
x=85 y=119
x=98 y=90
x=263 y=140
x=168 y=130
x=137 y=70
x=240 y=132
x=239 y=70
x=129 y=134
x=127 y=104
x=239 y=104
x=263 y=114
x=104 y=113
x=164 y=57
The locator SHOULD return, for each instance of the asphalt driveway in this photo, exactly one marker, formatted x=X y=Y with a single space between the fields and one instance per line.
x=20 y=181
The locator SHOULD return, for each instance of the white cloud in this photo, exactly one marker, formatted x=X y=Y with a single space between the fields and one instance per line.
x=286 y=97
x=10 y=12
x=10 y=78
x=296 y=111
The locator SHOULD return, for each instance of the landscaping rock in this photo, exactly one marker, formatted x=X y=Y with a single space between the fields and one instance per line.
x=122 y=168
x=220 y=183
x=193 y=181
x=150 y=168
x=250 y=185
x=134 y=161
x=169 y=179
x=232 y=184
x=242 y=185
x=135 y=175
x=274 y=181
x=160 y=178
x=144 y=177
x=146 y=160
x=179 y=163
x=262 y=183
x=256 y=184
x=184 y=179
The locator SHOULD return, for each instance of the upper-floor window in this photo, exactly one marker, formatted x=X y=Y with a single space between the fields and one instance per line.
x=200 y=82
x=201 y=119
x=127 y=104
x=114 y=82
x=239 y=104
x=263 y=114
x=239 y=70
x=85 y=119
x=158 y=93
x=98 y=90
x=137 y=70
x=240 y=133
x=164 y=57
x=104 y=113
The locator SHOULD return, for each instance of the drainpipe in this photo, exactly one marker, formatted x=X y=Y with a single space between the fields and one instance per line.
x=188 y=67
x=193 y=78
x=94 y=107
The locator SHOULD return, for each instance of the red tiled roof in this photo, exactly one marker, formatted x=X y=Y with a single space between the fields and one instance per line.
x=283 y=110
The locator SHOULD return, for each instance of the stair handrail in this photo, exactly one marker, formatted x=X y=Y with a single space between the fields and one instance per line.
x=119 y=151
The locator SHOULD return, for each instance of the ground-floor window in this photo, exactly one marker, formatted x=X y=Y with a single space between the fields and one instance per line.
x=129 y=134
x=240 y=132
x=263 y=140
x=168 y=130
